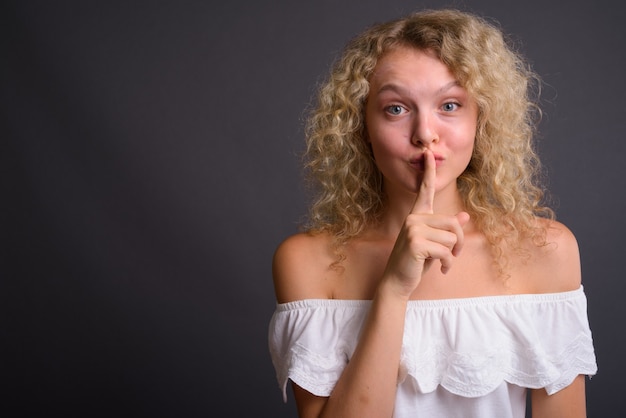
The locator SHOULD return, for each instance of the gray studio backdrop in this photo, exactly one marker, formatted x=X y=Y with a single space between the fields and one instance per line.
x=149 y=157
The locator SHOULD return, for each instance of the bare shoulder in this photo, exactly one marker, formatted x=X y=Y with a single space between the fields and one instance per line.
x=300 y=265
x=555 y=266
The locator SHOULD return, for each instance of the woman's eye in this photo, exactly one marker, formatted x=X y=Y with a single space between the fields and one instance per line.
x=450 y=106
x=395 y=109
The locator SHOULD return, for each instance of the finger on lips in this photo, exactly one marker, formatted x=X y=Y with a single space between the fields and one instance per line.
x=453 y=239
x=426 y=193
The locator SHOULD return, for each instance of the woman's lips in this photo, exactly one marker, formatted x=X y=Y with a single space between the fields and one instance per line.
x=418 y=163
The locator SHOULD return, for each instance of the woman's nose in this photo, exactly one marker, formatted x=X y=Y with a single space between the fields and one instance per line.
x=424 y=132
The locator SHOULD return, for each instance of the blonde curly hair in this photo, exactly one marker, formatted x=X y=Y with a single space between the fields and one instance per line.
x=500 y=187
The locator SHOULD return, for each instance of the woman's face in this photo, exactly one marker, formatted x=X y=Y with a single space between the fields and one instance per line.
x=416 y=103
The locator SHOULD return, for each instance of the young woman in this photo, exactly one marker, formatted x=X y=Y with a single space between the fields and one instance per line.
x=431 y=280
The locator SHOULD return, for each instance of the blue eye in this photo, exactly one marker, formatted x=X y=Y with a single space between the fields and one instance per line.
x=395 y=110
x=450 y=106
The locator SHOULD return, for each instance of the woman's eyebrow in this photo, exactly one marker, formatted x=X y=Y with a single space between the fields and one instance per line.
x=394 y=88
x=450 y=85
x=404 y=91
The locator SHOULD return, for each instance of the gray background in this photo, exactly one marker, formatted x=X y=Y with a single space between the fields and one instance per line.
x=149 y=169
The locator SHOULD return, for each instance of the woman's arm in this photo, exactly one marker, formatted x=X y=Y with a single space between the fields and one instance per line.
x=367 y=385
x=566 y=403
x=559 y=271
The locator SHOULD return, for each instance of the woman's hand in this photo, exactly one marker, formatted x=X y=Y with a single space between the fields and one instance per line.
x=424 y=237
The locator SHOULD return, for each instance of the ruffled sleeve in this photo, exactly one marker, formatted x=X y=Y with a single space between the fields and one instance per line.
x=471 y=346
x=311 y=341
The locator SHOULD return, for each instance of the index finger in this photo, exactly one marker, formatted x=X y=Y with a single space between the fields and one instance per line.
x=426 y=193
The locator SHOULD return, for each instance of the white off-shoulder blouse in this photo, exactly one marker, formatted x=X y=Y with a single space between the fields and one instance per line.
x=471 y=357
